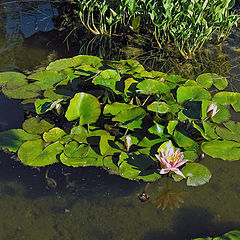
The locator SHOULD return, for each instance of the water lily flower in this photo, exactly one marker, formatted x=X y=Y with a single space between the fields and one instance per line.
x=212 y=110
x=171 y=160
x=128 y=143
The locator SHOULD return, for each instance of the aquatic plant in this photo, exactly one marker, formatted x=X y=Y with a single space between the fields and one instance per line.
x=187 y=24
x=86 y=111
x=232 y=235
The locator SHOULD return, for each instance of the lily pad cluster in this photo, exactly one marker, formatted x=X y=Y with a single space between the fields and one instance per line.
x=115 y=114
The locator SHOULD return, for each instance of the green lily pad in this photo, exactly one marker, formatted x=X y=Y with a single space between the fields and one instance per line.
x=132 y=165
x=12 y=79
x=104 y=144
x=232 y=235
x=157 y=129
x=150 y=175
x=193 y=93
x=108 y=78
x=47 y=78
x=45 y=105
x=150 y=86
x=33 y=153
x=175 y=78
x=196 y=174
x=84 y=106
x=171 y=126
x=110 y=162
x=53 y=134
x=12 y=139
x=184 y=141
x=22 y=92
x=80 y=134
x=58 y=93
x=227 y=98
x=76 y=155
x=64 y=63
x=190 y=155
x=206 y=80
x=36 y=126
x=117 y=107
x=230 y=132
x=162 y=107
x=226 y=150
x=130 y=115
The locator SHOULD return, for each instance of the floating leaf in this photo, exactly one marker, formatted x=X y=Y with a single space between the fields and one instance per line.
x=79 y=155
x=22 y=92
x=130 y=115
x=45 y=105
x=150 y=175
x=117 y=107
x=162 y=107
x=104 y=143
x=150 y=86
x=110 y=162
x=12 y=79
x=193 y=93
x=171 y=126
x=207 y=79
x=226 y=150
x=36 y=126
x=184 y=141
x=84 y=106
x=231 y=132
x=53 y=134
x=157 y=129
x=47 y=78
x=80 y=134
x=132 y=165
x=33 y=153
x=196 y=174
x=108 y=78
x=227 y=98
x=64 y=63
x=12 y=139
x=190 y=155
x=58 y=93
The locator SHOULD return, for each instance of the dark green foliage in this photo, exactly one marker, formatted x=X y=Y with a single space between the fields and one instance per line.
x=117 y=115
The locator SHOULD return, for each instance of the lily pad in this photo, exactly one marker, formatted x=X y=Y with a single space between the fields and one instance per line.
x=130 y=115
x=33 y=153
x=206 y=80
x=230 y=132
x=58 y=93
x=184 y=141
x=36 y=126
x=227 y=98
x=150 y=86
x=12 y=139
x=45 y=105
x=84 y=106
x=76 y=155
x=193 y=93
x=196 y=174
x=157 y=129
x=64 y=63
x=12 y=79
x=22 y=92
x=47 y=78
x=224 y=149
x=117 y=107
x=162 y=107
x=53 y=134
x=108 y=78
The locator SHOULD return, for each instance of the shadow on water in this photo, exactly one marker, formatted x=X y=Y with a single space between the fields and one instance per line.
x=192 y=223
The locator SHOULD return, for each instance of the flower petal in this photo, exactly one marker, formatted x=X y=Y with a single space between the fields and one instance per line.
x=177 y=171
x=164 y=170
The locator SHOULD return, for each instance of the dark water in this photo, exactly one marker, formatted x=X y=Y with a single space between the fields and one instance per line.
x=89 y=203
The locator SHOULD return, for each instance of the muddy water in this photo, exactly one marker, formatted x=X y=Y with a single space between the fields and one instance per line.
x=88 y=203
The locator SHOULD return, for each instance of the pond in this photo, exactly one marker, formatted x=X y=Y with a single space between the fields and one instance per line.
x=59 y=202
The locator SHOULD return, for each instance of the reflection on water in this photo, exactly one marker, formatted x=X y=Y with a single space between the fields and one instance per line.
x=89 y=203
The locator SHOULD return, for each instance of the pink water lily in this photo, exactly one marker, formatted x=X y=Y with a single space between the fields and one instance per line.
x=170 y=160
